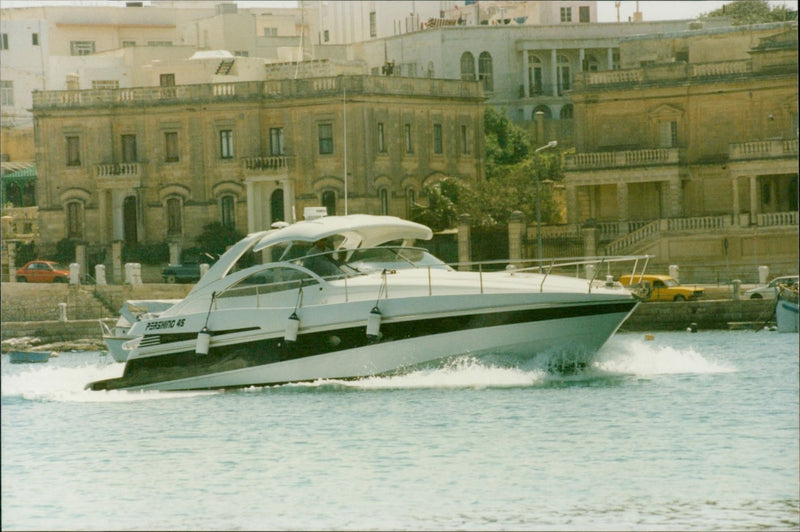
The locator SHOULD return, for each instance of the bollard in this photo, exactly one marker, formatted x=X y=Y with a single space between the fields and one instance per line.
x=136 y=274
x=128 y=273
x=204 y=269
x=736 y=284
x=100 y=274
x=62 y=312
x=675 y=272
x=763 y=274
x=590 y=269
x=75 y=273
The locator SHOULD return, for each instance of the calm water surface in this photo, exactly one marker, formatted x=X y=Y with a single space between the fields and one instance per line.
x=687 y=431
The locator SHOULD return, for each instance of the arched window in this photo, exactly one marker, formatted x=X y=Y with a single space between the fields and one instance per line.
x=276 y=206
x=383 y=195
x=566 y=111
x=467 y=66
x=541 y=108
x=227 y=206
x=564 y=79
x=174 y=217
x=411 y=198
x=329 y=202
x=75 y=219
x=535 y=75
x=485 y=71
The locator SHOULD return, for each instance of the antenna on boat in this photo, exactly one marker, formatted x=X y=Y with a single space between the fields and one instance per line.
x=344 y=108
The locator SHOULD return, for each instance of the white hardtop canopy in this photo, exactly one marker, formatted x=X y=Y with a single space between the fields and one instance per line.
x=359 y=230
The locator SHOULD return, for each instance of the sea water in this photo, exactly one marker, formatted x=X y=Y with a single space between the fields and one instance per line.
x=679 y=432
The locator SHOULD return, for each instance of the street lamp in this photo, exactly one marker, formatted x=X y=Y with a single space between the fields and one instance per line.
x=551 y=144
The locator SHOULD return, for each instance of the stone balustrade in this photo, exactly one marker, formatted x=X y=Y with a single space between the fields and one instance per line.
x=762 y=149
x=116 y=170
x=286 y=88
x=616 y=159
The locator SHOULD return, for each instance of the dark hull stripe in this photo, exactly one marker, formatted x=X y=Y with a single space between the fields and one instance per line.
x=268 y=351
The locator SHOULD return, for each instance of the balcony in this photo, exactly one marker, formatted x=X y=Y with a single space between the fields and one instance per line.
x=622 y=159
x=763 y=149
x=116 y=170
x=278 y=164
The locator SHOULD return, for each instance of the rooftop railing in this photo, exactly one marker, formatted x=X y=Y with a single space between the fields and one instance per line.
x=287 y=88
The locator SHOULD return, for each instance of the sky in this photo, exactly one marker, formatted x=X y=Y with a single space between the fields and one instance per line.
x=606 y=11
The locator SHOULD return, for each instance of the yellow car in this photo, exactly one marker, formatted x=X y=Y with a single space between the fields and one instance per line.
x=661 y=288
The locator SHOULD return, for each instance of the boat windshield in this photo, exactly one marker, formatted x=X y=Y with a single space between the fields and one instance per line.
x=392 y=258
x=340 y=263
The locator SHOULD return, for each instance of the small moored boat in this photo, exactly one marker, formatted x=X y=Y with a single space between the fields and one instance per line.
x=24 y=357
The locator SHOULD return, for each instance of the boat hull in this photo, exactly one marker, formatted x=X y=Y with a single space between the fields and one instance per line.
x=26 y=357
x=114 y=346
x=786 y=315
x=564 y=338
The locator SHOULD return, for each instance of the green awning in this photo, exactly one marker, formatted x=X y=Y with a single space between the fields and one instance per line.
x=24 y=175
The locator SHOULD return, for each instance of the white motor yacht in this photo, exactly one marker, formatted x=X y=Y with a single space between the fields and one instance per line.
x=345 y=297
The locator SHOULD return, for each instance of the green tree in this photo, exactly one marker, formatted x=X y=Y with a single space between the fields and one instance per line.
x=744 y=12
x=511 y=169
x=506 y=143
x=216 y=237
x=444 y=200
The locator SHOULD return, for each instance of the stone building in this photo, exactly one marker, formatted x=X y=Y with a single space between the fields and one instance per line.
x=691 y=153
x=155 y=164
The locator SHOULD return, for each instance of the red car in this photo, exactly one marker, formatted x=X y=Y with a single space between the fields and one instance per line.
x=43 y=271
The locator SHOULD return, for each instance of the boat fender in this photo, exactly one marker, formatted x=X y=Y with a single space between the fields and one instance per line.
x=292 y=326
x=374 y=324
x=203 y=339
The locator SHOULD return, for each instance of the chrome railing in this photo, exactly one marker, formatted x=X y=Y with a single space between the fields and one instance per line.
x=589 y=268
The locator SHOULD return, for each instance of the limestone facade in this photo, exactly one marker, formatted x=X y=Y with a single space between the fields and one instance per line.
x=156 y=164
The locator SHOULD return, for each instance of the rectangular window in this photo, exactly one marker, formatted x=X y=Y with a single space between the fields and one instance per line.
x=105 y=84
x=73 y=151
x=437 y=139
x=566 y=14
x=128 y=148
x=270 y=32
x=35 y=39
x=669 y=134
x=276 y=141
x=81 y=47
x=408 y=139
x=373 y=27
x=241 y=53
x=326 y=138
x=171 y=146
x=381 y=140
x=464 y=140
x=167 y=83
x=159 y=43
x=583 y=13
x=4 y=41
x=7 y=93
x=226 y=144
x=326 y=36
x=129 y=44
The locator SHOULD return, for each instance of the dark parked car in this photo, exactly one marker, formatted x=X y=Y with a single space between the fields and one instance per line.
x=188 y=271
x=43 y=271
